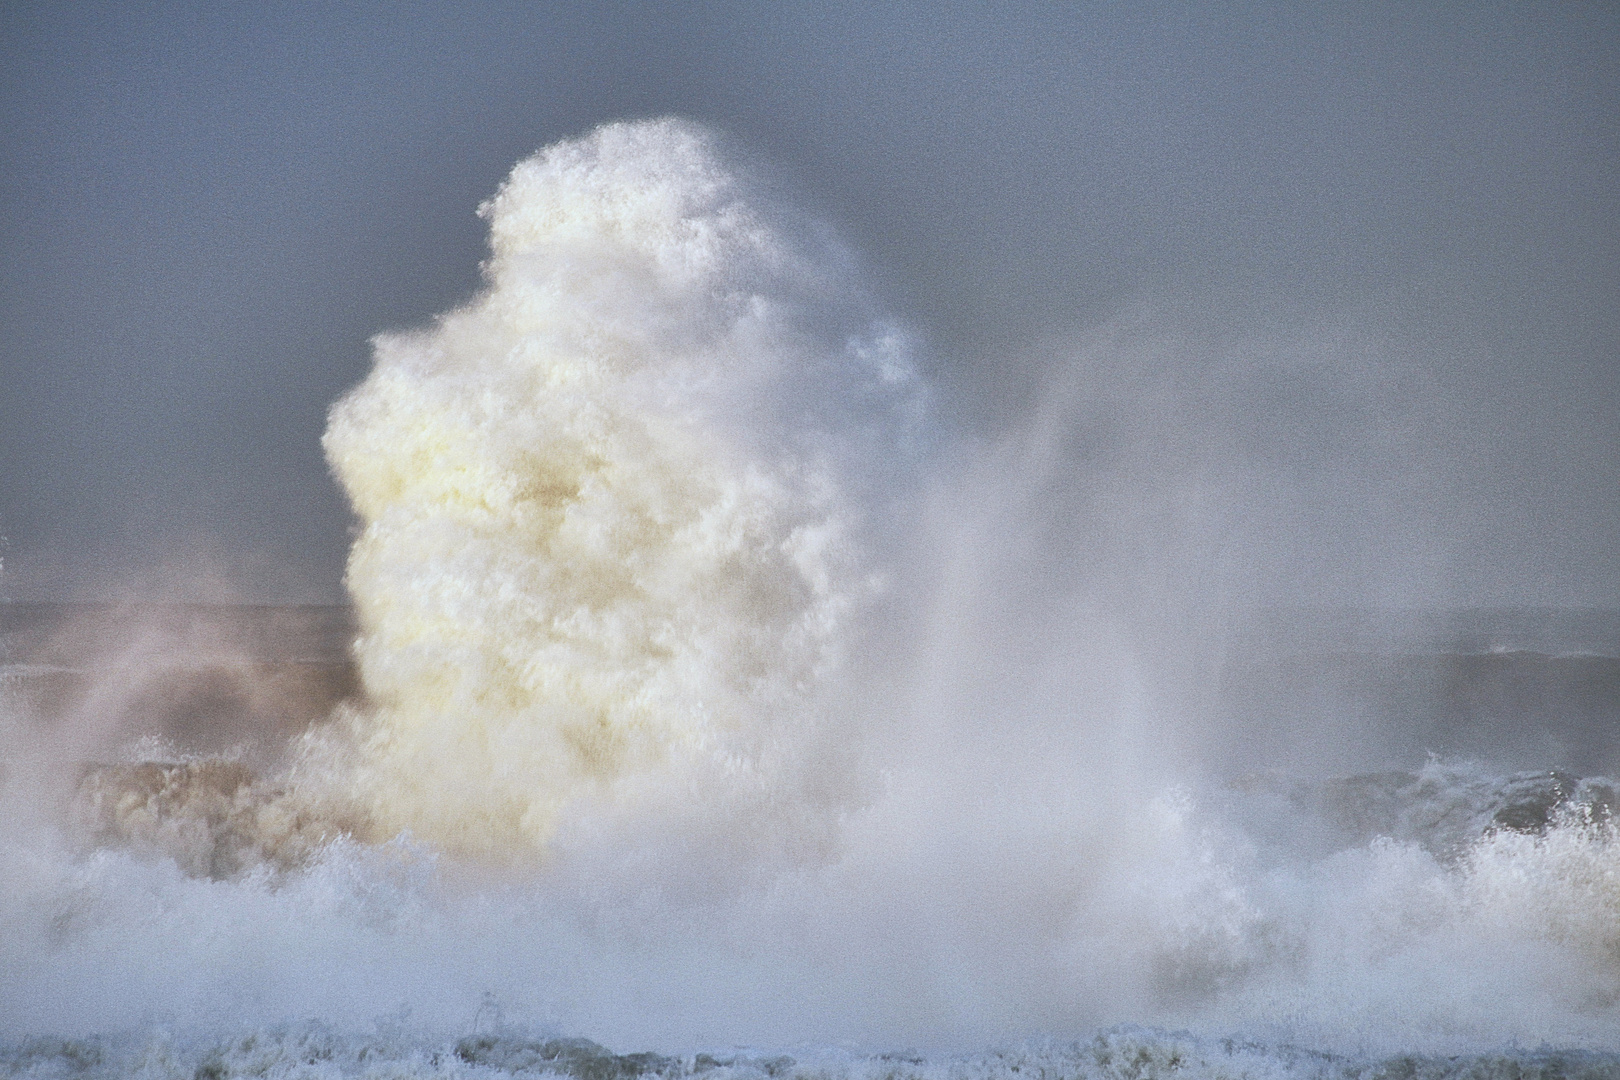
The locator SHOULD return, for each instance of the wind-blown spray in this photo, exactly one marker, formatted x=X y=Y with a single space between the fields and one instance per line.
x=629 y=765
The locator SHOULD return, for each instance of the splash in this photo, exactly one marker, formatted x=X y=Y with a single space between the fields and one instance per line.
x=643 y=754
x=604 y=523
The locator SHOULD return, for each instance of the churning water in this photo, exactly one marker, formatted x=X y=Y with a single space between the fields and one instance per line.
x=704 y=698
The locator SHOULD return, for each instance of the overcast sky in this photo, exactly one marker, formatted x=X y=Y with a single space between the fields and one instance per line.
x=207 y=210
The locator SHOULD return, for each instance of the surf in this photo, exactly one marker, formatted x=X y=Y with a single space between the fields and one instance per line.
x=712 y=693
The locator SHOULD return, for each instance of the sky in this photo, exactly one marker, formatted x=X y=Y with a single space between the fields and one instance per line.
x=1353 y=267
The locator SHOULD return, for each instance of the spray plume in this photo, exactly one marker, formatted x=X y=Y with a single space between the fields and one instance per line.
x=624 y=519
x=603 y=529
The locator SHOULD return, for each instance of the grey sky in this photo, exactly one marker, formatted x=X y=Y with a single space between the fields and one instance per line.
x=206 y=210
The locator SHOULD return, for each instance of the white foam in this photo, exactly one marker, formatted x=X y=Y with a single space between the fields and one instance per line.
x=648 y=756
x=605 y=529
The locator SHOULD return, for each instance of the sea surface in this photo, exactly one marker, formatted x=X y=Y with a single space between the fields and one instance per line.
x=708 y=707
x=1465 y=699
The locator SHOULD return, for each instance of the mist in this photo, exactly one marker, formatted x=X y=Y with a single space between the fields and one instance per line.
x=709 y=697
x=1051 y=543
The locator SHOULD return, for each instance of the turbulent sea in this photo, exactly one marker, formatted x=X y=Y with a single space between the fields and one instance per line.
x=703 y=708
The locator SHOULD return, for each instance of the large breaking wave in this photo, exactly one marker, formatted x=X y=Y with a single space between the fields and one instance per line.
x=606 y=533
x=704 y=704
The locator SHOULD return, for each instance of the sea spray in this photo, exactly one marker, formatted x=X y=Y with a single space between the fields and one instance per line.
x=604 y=527
x=628 y=768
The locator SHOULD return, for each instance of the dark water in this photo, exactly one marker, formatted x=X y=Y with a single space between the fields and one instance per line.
x=1518 y=689
x=201 y=677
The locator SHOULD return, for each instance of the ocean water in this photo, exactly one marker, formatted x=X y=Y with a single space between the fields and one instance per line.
x=705 y=708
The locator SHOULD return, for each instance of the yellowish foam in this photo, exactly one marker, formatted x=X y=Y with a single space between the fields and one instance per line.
x=586 y=550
